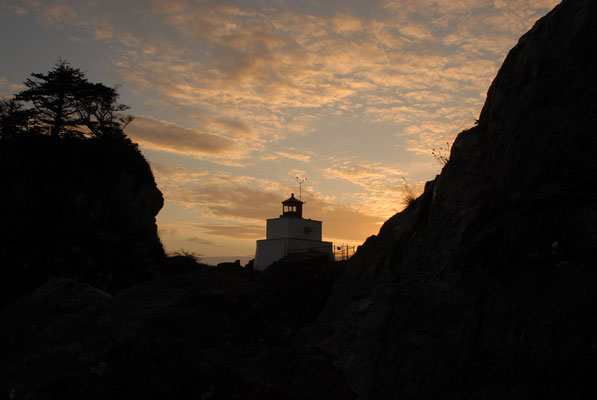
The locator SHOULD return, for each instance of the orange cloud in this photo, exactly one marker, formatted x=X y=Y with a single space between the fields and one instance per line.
x=168 y=231
x=249 y=202
x=166 y=136
x=385 y=187
x=283 y=69
x=200 y=242
x=223 y=126
x=171 y=171
x=345 y=23
x=237 y=79
x=295 y=156
x=237 y=231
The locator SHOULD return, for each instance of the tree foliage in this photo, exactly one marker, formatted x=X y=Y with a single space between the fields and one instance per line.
x=100 y=111
x=63 y=103
x=54 y=98
x=13 y=118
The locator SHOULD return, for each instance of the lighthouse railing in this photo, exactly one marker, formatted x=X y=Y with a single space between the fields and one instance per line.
x=343 y=252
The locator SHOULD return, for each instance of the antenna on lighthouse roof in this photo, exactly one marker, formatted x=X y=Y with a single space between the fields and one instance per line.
x=300 y=181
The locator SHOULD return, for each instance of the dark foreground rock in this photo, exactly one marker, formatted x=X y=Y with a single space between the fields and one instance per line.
x=206 y=334
x=485 y=288
x=84 y=209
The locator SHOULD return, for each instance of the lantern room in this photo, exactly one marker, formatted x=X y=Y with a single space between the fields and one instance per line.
x=292 y=207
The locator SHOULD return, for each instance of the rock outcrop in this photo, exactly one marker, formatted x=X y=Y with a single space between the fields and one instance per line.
x=83 y=209
x=82 y=319
x=204 y=334
x=484 y=288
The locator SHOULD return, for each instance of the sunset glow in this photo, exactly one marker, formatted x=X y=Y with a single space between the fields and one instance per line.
x=233 y=100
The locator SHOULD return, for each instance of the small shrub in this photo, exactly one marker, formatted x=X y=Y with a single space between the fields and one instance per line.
x=409 y=197
x=180 y=262
x=442 y=154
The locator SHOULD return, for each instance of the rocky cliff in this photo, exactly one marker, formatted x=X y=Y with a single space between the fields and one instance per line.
x=485 y=286
x=78 y=208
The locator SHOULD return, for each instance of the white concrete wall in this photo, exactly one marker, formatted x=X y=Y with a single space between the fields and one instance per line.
x=301 y=246
x=293 y=228
x=271 y=250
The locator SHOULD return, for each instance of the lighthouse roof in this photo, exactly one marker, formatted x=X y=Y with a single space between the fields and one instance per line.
x=292 y=201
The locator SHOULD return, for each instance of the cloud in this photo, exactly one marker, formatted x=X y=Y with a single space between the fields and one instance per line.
x=199 y=241
x=59 y=13
x=295 y=156
x=166 y=136
x=218 y=194
x=369 y=175
x=7 y=88
x=284 y=68
x=164 y=231
x=237 y=79
x=12 y=9
x=172 y=172
x=415 y=31
x=236 y=202
x=345 y=23
x=237 y=231
x=385 y=187
x=223 y=126
x=242 y=204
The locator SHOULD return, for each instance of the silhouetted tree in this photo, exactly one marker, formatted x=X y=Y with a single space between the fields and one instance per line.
x=100 y=111
x=13 y=118
x=54 y=97
x=64 y=103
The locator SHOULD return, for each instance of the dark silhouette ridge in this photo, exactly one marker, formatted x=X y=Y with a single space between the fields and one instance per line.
x=485 y=286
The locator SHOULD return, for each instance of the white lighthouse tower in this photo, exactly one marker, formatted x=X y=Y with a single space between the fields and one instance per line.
x=288 y=234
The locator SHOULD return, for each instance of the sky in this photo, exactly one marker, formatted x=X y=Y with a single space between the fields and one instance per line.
x=233 y=100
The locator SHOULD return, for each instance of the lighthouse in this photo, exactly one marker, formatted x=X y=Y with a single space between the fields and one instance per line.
x=289 y=234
